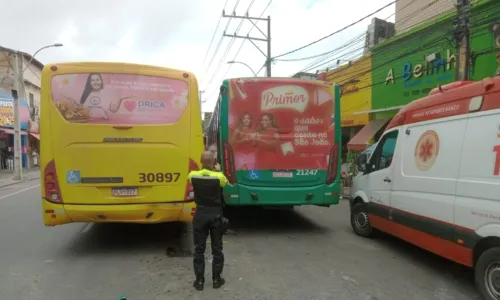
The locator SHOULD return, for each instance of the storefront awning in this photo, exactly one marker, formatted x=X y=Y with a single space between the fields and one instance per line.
x=9 y=131
x=360 y=141
x=35 y=135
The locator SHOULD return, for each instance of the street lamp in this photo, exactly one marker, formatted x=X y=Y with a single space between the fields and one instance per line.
x=18 y=165
x=44 y=47
x=242 y=63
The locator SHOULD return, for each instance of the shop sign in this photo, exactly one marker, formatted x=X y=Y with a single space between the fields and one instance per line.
x=434 y=69
x=6 y=113
x=33 y=127
x=356 y=93
x=349 y=87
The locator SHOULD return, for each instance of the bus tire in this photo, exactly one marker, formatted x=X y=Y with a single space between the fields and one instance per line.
x=487 y=274
x=360 y=222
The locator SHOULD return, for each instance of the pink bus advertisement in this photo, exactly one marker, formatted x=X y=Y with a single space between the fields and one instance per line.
x=280 y=125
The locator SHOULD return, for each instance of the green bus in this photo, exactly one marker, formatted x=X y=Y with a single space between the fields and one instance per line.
x=278 y=141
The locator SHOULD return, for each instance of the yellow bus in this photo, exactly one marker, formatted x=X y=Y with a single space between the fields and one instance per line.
x=118 y=141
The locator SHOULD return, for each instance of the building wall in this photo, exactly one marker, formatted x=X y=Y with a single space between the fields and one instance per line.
x=485 y=39
x=355 y=81
x=400 y=72
x=410 y=13
x=6 y=72
x=32 y=79
x=399 y=75
x=32 y=86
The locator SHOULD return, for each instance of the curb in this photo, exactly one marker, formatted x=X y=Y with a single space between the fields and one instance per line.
x=19 y=182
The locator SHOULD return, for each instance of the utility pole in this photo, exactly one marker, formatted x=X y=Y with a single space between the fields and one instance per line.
x=462 y=36
x=18 y=92
x=267 y=37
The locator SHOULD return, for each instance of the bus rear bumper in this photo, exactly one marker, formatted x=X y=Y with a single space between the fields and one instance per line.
x=58 y=214
x=323 y=195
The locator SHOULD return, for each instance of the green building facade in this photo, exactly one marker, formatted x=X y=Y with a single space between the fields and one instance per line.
x=408 y=66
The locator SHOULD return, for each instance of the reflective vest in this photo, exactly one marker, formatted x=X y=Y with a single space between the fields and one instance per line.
x=207 y=186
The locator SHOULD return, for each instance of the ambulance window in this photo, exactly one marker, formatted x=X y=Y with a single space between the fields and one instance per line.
x=385 y=151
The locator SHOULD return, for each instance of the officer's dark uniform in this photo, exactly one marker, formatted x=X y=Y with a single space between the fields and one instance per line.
x=208 y=220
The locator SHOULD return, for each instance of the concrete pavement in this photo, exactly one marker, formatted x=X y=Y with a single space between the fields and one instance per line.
x=306 y=253
x=6 y=177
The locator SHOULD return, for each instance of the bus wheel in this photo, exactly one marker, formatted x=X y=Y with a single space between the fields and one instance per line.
x=360 y=222
x=487 y=274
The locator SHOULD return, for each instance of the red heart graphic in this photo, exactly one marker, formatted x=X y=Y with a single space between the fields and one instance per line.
x=130 y=105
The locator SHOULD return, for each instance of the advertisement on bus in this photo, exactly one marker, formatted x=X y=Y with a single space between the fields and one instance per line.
x=280 y=125
x=105 y=98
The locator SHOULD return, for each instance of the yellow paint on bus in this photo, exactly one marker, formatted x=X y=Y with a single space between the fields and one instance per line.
x=117 y=143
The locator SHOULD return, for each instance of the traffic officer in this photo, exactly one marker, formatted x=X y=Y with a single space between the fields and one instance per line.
x=208 y=219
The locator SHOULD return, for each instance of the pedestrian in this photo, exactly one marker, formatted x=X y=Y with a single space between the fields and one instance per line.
x=208 y=219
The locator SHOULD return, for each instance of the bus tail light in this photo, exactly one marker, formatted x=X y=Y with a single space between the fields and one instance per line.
x=332 y=170
x=51 y=184
x=189 y=193
x=229 y=166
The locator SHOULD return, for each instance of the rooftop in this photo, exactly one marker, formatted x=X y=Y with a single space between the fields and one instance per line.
x=26 y=55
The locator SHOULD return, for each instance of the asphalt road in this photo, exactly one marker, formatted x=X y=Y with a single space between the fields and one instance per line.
x=307 y=253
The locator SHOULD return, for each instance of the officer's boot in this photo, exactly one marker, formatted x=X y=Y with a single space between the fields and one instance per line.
x=218 y=281
x=199 y=271
x=199 y=283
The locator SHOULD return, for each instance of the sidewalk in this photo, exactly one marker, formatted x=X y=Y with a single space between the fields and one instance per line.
x=6 y=177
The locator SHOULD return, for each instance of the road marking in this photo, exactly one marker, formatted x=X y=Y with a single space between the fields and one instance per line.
x=87 y=227
x=18 y=192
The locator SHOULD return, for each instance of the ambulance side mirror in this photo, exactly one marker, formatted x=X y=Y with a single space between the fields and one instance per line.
x=362 y=163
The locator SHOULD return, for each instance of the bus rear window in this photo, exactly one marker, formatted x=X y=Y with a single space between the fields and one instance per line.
x=107 y=98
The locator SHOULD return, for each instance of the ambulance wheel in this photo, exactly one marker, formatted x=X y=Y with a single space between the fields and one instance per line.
x=487 y=274
x=360 y=222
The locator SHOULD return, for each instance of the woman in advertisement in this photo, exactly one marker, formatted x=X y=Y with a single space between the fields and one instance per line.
x=96 y=100
x=243 y=140
x=267 y=142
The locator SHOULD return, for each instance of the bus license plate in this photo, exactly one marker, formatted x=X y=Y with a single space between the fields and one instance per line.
x=124 y=192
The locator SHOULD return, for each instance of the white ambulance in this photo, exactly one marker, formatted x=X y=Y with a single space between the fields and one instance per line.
x=434 y=179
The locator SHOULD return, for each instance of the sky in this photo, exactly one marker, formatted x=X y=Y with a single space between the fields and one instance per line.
x=177 y=34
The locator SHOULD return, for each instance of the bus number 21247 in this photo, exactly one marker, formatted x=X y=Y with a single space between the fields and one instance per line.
x=306 y=172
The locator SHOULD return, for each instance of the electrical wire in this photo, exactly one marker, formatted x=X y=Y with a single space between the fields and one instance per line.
x=215 y=32
x=421 y=9
x=410 y=39
x=335 y=32
x=430 y=45
x=249 y=31
x=228 y=48
x=342 y=48
x=220 y=42
x=318 y=55
x=362 y=35
x=261 y=68
x=423 y=33
x=242 y=43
